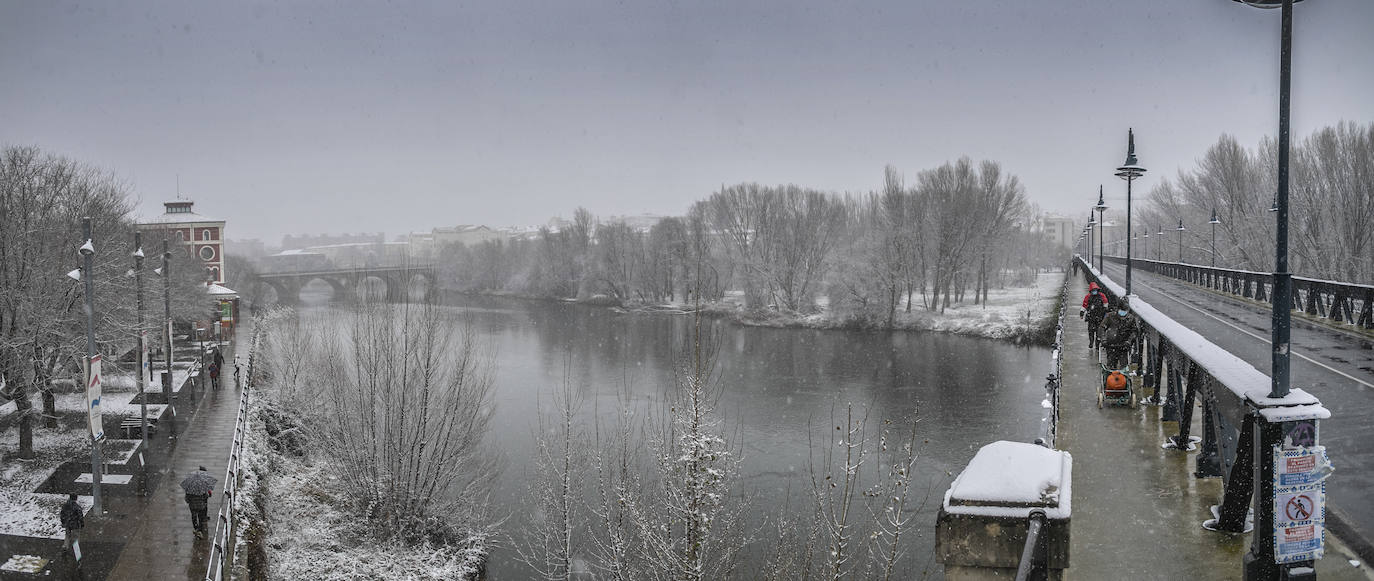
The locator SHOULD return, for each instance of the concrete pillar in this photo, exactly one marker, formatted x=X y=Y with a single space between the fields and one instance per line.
x=980 y=530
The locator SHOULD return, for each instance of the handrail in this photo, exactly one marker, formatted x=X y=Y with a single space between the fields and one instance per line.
x=1049 y=432
x=1340 y=302
x=1033 y=553
x=1234 y=394
x=218 y=556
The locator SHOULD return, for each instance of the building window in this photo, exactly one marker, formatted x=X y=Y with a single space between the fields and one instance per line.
x=214 y=272
x=181 y=236
x=207 y=252
x=205 y=234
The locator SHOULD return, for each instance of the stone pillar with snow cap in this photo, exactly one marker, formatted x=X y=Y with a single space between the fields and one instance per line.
x=981 y=529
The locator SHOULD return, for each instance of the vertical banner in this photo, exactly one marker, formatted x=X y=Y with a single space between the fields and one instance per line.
x=93 y=398
x=145 y=367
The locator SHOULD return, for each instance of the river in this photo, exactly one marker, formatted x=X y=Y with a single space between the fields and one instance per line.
x=965 y=392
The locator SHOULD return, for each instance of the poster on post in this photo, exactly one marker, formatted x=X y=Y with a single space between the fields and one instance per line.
x=93 y=398
x=145 y=366
x=1300 y=503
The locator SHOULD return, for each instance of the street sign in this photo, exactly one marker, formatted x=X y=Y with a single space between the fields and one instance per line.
x=1299 y=503
x=93 y=398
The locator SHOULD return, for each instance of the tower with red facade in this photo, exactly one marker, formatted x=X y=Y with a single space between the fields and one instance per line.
x=202 y=235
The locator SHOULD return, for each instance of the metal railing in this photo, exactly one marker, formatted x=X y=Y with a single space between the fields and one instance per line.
x=1184 y=368
x=218 y=559
x=1035 y=553
x=1340 y=302
x=1049 y=430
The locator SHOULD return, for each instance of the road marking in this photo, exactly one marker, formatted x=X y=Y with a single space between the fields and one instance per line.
x=1265 y=340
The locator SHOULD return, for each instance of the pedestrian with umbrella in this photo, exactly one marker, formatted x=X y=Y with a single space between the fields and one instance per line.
x=198 y=486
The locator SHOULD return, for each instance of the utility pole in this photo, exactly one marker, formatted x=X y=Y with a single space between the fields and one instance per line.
x=167 y=322
x=87 y=276
x=143 y=364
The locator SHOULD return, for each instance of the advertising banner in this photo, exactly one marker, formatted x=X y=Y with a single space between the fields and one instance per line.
x=93 y=398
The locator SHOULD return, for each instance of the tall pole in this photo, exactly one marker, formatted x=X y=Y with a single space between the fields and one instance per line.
x=1283 y=280
x=166 y=322
x=1180 y=240
x=1128 y=235
x=141 y=380
x=87 y=276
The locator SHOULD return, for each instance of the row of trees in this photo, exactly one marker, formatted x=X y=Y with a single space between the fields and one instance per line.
x=926 y=244
x=1331 y=205
x=43 y=199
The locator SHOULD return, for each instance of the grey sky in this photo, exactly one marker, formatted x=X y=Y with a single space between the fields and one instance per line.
x=362 y=116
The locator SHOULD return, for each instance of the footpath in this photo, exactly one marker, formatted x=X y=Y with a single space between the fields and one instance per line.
x=1138 y=509
x=144 y=531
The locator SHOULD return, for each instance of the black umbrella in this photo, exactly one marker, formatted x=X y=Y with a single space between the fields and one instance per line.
x=200 y=482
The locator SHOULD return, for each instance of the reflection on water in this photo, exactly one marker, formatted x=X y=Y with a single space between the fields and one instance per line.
x=965 y=392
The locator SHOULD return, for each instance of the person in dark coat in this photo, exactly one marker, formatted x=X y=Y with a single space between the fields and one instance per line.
x=1118 y=331
x=214 y=376
x=200 y=507
x=1094 y=308
x=73 y=520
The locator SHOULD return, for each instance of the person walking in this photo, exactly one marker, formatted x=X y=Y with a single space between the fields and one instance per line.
x=73 y=519
x=198 y=487
x=214 y=376
x=1118 y=331
x=238 y=371
x=1093 y=309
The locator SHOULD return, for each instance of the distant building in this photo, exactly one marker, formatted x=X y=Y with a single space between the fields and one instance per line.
x=201 y=235
x=1061 y=230
x=299 y=241
x=428 y=244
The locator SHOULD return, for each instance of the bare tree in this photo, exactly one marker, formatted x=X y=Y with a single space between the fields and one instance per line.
x=549 y=542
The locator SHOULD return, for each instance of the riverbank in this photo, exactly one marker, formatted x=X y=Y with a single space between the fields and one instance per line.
x=1021 y=315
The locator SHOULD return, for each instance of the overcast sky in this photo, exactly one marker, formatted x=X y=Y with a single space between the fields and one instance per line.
x=311 y=117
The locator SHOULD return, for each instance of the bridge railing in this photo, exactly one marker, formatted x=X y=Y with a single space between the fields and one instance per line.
x=1184 y=367
x=1049 y=429
x=219 y=554
x=1340 y=302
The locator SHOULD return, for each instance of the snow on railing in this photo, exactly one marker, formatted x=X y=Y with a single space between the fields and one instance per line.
x=218 y=559
x=1241 y=378
x=1049 y=431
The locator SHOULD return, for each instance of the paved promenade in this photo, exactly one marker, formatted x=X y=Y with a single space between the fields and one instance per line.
x=1138 y=510
x=149 y=536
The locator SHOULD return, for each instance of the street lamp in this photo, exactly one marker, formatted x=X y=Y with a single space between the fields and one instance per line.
x=1146 y=250
x=1101 y=207
x=1214 y=221
x=1129 y=171
x=1180 y=240
x=1159 y=247
x=1091 y=224
x=87 y=252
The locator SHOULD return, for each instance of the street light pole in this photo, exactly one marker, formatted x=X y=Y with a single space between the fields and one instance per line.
x=1214 y=221
x=88 y=276
x=1159 y=248
x=166 y=322
x=1092 y=223
x=1129 y=171
x=1180 y=240
x=1101 y=235
x=141 y=380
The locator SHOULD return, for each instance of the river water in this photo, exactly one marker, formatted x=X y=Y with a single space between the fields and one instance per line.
x=965 y=392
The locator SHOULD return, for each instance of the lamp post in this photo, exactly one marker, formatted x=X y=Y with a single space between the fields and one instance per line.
x=1259 y=562
x=166 y=322
x=87 y=276
x=1214 y=221
x=142 y=379
x=1092 y=223
x=1101 y=207
x=1159 y=246
x=1180 y=240
x=1129 y=171
x=1146 y=250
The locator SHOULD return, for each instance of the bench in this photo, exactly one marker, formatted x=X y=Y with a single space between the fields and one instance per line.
x=131 y=425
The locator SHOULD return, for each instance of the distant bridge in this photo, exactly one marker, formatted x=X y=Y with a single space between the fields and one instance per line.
x=345 y=281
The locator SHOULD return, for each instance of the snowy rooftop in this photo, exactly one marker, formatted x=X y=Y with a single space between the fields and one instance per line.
x=218 y=290
x=1008 y=479
x=177 y=212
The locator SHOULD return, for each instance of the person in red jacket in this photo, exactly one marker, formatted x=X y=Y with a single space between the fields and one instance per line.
x=1094 y=308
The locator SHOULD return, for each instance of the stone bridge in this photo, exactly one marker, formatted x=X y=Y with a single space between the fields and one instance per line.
x=345 y=281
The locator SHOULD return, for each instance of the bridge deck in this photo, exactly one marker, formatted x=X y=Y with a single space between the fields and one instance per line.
x=1335 y=366
x=1138 y=509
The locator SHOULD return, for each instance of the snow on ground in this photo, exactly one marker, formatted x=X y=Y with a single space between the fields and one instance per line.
x=1010 y=313
x=312 y=534
x=25 y=513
